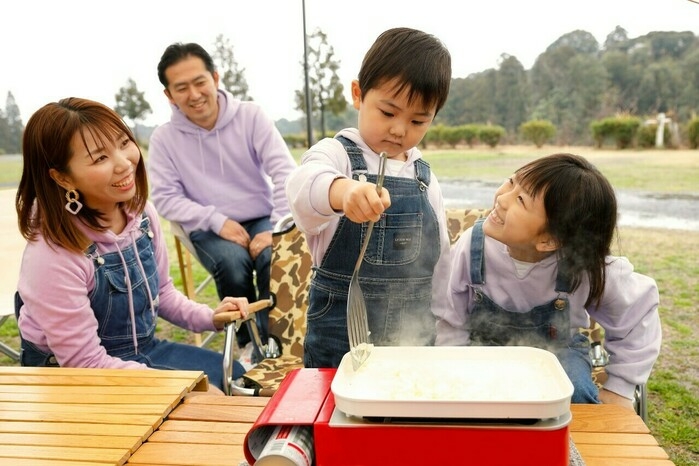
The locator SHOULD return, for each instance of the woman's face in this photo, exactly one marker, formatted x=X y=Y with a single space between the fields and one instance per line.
x=103 y=174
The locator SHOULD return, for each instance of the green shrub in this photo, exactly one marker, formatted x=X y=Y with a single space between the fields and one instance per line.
x=537 y=131
x=693 y=132
x=491 y=134
x=451 y=135
x=295 y=141
x=646 y=134
x=433 y=136
x=621 y=129
x=470 y=134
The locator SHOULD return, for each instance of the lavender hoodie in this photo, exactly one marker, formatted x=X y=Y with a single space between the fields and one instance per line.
x=55 y=285
x=237 y=170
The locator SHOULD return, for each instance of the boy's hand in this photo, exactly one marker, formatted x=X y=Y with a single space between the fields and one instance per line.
x=359 y=200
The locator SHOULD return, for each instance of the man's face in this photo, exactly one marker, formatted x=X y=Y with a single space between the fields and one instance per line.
x=193 y=90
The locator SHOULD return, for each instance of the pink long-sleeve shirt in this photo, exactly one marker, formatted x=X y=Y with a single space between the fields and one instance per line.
x=55 y=285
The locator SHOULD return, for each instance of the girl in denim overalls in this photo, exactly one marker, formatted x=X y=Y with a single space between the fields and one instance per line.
x=530 y=272
x=402 y=84
x=95 y=274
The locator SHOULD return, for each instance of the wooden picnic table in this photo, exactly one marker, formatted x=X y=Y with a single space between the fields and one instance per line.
x=57 y=416
x=210 y=430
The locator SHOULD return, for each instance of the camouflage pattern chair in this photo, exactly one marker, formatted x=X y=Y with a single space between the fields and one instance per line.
x=290 y=276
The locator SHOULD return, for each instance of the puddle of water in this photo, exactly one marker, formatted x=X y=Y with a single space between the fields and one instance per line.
x=650 y=210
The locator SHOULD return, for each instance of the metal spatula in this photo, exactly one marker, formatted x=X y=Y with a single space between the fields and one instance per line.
x=357 y=322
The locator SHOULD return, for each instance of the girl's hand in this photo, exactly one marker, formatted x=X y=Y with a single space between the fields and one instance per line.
x=230 y=305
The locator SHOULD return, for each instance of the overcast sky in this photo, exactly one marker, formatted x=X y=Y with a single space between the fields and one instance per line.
x=58 y=48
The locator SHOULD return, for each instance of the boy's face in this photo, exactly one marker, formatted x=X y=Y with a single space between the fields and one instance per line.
x=387 y=123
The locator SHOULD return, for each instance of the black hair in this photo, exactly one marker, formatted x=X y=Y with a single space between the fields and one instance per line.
x=420 y=62
x=179 y=51
x=581 y=213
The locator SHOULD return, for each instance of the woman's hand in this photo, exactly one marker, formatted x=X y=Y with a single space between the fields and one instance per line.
x=229 y=304
x=607 y=397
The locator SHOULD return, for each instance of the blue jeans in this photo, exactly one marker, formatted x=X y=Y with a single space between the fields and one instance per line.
x=236 y=274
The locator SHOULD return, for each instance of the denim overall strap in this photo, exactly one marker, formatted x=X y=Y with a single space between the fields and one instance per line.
x=110 y=299
x=477 y=267
x=490 y=324
x=395 y=276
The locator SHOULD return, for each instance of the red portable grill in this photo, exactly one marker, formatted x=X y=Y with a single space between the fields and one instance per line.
x=429 y=405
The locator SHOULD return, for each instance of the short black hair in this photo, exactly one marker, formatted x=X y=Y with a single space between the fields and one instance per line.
x=420 y=62
x=179 y=51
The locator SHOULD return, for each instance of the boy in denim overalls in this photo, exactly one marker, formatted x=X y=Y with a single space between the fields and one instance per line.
x=402 y=84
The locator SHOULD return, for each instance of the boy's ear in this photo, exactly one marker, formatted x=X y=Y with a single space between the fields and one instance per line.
x=356 y=94
x=547 y=243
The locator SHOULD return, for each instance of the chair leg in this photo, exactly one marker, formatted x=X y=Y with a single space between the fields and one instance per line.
x=641 y=401
x=184 y=259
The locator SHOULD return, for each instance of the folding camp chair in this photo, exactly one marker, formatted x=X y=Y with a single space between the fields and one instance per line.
x=290 y=276
x=186 y=253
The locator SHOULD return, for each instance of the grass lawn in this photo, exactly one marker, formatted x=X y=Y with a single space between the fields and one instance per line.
x=670 y=256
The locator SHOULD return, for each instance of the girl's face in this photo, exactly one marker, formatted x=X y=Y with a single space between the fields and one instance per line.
x=103 y=174
x=387 y=123
x=519 y=221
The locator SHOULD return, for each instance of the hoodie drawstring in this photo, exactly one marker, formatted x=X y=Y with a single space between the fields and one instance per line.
x=129 y=290
x=220 y=151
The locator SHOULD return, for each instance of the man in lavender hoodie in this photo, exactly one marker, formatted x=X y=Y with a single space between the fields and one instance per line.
x=218 y=168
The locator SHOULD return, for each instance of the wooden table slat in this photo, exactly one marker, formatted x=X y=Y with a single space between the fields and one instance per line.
x=74 y=428
x=56 y=406
x=95 y=418
x=128 y=390
x=116 y=456
x=621 y=451
x=627 y=462
x=92 y=381
x=586 y=418
x=206 y=426
x=212 y=437
x=187 y=454
x=227 y=401
x=134 y=374
x=43 y=462
x=87 y=398
x=606 y=438
x=67 y=440
x=193 y=412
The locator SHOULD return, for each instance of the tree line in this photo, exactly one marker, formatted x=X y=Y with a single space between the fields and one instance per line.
x=573 y=83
